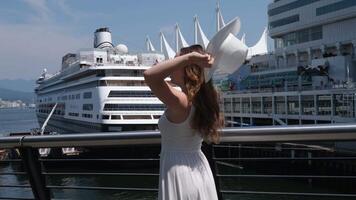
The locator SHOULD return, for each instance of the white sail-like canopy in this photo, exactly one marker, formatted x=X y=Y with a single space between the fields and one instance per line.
x=180 y=41
x=243 y=38
x=200 y=37
x=260 y=47
x=149 y=45
x=166 y=48
x=220 y=22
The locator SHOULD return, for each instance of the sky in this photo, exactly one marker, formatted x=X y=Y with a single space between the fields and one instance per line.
x=35 y=34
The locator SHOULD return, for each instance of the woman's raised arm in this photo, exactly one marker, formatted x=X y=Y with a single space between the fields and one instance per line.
x=155 y=76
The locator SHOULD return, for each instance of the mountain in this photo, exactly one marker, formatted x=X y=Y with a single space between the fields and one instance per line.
x=18 y=85
x=6 y=94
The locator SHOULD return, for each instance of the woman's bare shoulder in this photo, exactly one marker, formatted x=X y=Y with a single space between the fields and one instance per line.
x=178 y=114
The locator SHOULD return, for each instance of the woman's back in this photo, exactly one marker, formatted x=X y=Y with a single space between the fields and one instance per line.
x=184 y=170
x=179 y=136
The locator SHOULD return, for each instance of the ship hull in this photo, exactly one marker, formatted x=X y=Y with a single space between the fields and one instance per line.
x=67 y=126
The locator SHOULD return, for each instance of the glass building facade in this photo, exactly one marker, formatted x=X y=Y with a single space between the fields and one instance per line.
x=291 y=6
x=335 y=7
x=298 y=37
x=284 y=21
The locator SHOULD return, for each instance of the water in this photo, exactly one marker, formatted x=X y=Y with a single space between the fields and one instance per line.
x=19 y=120
x=23 y=120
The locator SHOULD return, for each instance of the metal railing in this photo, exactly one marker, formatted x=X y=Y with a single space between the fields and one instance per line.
x=239 y=147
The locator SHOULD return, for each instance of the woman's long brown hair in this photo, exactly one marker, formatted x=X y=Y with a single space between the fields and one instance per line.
x=207 y=118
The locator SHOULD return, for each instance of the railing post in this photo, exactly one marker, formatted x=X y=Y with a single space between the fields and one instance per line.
x=33 y=169
x=208 y=150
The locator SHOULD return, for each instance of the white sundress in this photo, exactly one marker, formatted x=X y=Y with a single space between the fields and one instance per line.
x=185 y=173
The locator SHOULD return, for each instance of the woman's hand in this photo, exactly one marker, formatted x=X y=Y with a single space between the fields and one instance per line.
x=202 y=60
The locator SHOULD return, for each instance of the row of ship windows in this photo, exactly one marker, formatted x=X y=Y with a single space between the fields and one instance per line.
x=114 y=93
x=138 y=107
x=46 y=108
x=56 y=112
x=119 y=117
x=85 y=115
x=120 y=72
x=60 y=109
x=99 y=60
x=88 y=107
x=70 y=97
x=116 y=117
x=86 y=95
x=122 y=83
x=61 y=113
x=108 y=72
x=50 y=105
x=126 y=83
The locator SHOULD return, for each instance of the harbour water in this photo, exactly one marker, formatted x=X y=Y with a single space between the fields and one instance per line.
x=23 y=120
x=17 y=120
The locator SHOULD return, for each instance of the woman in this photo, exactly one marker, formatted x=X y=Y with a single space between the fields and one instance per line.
x=192 y=115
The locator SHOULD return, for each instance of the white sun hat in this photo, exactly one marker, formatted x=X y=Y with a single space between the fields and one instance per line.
x=229 y=52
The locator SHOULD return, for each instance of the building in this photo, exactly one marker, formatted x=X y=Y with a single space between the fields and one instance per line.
x=309 y=78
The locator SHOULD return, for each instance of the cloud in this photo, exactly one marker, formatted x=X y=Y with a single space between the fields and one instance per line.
x=41 y=9
x=74 y=14
x=26 y=49
x=63 y=6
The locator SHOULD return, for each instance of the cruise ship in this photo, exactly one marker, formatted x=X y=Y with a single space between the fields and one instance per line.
x=310 y=76
x=307 y=79
x=100 y=90
x=103 y=89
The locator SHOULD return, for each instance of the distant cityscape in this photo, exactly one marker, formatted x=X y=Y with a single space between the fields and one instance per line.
x=16 y=93
x=15 y=104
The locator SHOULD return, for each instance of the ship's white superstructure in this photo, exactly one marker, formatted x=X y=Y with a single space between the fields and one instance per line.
x=100 y=89
x=309 y=78
x=103 y=89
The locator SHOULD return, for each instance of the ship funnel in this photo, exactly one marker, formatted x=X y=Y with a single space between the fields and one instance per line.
x=102 y=38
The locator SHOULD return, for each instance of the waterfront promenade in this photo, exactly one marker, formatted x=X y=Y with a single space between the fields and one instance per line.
x=291 y=162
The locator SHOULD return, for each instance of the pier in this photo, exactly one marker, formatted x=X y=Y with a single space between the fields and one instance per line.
x=309 y=162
